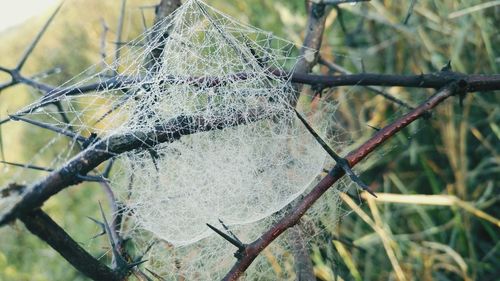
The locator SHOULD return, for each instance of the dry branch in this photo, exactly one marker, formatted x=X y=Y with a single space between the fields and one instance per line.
x=102 y=150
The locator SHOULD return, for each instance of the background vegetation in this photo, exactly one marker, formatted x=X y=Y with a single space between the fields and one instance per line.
x=452 y=234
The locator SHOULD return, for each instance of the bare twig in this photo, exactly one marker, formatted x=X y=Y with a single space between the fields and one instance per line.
x=120 y=30
x=49 y=127
x=304 y=268
x=104 y=34
x=164 y=9
x=475 y=82
x=33 y=44
x=314 y=37
x=27 y=166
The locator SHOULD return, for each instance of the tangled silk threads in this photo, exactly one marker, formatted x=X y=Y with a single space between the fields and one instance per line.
x=206 y=70
x=255 y=159
x=259 y=159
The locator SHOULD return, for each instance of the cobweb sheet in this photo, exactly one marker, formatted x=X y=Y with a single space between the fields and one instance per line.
x=196 y=63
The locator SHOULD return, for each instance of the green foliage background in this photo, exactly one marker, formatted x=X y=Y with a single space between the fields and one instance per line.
x=456 y=152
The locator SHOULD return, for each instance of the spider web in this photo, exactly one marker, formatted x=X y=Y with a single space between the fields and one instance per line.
x=201 y=63
x=197 y=62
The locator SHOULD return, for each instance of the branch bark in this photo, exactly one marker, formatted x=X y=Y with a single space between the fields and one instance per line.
x=165 y=8
x=316 y=19
x=475 y=82
x=40 y=224
x=109 y=147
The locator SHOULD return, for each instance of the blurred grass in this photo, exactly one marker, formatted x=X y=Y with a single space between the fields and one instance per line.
x=452 y=157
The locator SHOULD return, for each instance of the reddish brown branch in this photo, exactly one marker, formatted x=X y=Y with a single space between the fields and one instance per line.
x=253 y=250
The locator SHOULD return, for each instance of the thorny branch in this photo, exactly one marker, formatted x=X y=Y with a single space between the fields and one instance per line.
x=15 y=74
x=334 y=67
x=253 y=249
x=101 y=150
x=475 y=83
x=40 y=224
x=107 y=148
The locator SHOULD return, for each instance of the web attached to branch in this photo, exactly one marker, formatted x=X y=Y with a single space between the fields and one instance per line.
x=237 y=153
x=246 y=155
